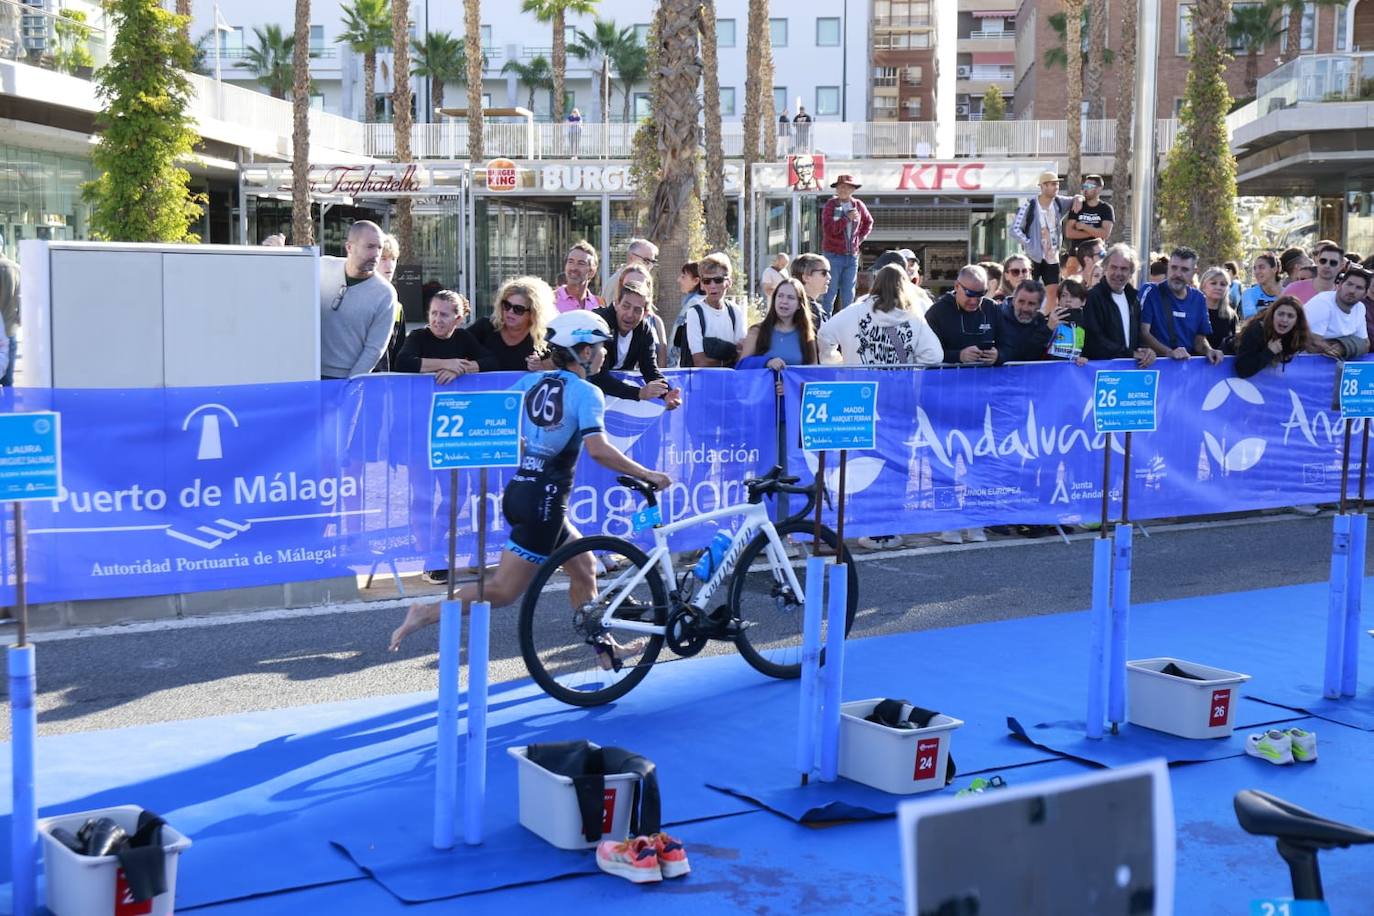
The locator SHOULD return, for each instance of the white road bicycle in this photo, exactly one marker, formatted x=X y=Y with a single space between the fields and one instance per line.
x=586 y=650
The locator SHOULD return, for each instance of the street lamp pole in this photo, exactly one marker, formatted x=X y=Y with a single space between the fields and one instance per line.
x=1144 y=155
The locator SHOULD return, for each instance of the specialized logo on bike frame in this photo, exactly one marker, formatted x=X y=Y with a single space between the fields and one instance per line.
x=544 y=403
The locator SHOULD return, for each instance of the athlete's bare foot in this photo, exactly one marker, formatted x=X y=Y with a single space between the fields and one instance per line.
x=420 y=615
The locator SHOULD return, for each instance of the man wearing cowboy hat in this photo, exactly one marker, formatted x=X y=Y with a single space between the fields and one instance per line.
x=1038 y=226
x=845 y=223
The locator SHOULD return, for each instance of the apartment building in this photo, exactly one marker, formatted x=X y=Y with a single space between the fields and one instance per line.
x=904 y=62
x=820 y=54
x=1041 y=91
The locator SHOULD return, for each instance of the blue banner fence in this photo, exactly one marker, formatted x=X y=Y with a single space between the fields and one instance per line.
x=182 y=490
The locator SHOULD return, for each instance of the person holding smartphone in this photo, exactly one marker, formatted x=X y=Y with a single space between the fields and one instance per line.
x=967 y=321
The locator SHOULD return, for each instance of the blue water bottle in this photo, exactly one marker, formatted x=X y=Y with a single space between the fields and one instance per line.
x=711 y=556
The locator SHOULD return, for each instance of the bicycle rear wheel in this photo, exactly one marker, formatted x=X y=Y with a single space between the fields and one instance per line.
x=566 y=649
x=760 y=596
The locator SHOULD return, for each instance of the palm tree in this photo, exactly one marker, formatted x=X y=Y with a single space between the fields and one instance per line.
x=758 y=51
x=441 y=59
x=472 y=38
x=302 y=224
x=367 y=30
x=631 y=62
x=676 y=208
x=716 y=235
x=1073 y=46
x=1295 y=10
x=601 y=44
x=1125 y=114
x=535 y=75
x=556 y=12
x=1255 y=28
x=1097 y=49
x=271 y=59
x=401 y=120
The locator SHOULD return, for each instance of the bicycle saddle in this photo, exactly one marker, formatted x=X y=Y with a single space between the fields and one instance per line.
x=1266 y=815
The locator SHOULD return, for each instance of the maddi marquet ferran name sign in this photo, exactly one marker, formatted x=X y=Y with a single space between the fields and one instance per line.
x=367 y=180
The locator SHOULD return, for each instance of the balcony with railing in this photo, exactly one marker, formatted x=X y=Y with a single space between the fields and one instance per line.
x=841 y=140
x=1313 y=79
x=902 y=23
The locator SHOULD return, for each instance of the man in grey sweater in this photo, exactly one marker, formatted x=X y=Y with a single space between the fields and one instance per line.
x=357 y=306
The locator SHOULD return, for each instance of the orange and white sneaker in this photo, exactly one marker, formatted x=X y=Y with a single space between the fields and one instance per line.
x=635 y=860
x=672 y=856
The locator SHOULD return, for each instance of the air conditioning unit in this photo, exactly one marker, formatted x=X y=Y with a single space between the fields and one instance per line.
x=964 y=71
x=961 y=110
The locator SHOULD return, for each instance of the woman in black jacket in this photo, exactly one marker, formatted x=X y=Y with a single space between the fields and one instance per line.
x=1275 y=335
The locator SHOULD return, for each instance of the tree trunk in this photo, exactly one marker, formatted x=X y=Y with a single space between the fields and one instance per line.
x=401 y=121
x=472 y=39
x=1092 y=72
x=675 y=214
x=560 y=66
x=302 y=221
x=1293 y=43
x=1073 y=109
x=758 y=53
x=369 y=86
x=1125 y=116
x=717 y=238
x=768 y=110
x=1215 y=231
x=1251 y=72
x=184 y=9
x=436 y=92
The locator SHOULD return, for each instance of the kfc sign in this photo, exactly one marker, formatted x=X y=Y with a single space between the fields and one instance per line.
x=941 y=176
x=501 y=175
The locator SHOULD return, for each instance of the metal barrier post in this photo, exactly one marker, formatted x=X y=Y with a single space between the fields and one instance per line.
x=810 y=666
x=834 y=670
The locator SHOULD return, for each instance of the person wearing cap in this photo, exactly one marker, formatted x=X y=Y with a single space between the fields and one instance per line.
x=845 y=223
x=1037 y=228
x=913 y=273
x=1091 y=222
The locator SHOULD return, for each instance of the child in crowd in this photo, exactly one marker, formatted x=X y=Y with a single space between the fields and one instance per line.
x=1068 y=337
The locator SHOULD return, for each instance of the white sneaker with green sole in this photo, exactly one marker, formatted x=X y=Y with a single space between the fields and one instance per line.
x=1304 y=745
x=1274 y=746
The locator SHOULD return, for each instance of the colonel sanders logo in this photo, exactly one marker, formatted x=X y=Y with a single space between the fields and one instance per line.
x=804 y=172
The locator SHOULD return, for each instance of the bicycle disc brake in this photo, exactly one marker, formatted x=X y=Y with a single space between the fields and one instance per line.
x=683 y=632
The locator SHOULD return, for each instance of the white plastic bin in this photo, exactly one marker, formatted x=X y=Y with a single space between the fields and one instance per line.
x=1178 y=705
x=902 y=761
x=548 y=804
x=93 y=885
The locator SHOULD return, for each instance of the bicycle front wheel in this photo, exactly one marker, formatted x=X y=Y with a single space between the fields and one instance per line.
x=566 y=648
x=761 y=597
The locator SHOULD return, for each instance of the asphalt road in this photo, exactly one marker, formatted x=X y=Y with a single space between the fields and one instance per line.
x=192 y=669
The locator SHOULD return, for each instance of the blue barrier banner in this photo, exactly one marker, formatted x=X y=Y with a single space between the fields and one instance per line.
x=1016 y=444
x=180 y=490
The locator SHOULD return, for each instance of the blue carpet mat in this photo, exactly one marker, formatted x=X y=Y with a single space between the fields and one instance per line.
x=263 y=794
x=760 y=864
x=1134 y=743
x=1356 y=711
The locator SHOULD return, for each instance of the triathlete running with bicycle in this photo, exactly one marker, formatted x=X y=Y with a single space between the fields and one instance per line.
x=562 y=412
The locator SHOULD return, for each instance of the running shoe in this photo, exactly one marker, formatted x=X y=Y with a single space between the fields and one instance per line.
x=881 y=542
x=435 y=576
x=633 y=860
x=672 y=856
x=1273 y=745
x=1304 y=745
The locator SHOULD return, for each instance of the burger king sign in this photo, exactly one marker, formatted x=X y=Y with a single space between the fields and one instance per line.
x=501 y=175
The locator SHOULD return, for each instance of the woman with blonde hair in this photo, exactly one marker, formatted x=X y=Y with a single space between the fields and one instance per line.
x=513 y=337
x=884 y=328
x=1215 y=284
x=386 y=266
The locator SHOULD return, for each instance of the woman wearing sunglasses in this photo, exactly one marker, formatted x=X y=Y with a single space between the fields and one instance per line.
x=515 y=332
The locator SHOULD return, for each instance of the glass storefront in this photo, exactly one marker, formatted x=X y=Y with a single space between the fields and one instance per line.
x=40 y=197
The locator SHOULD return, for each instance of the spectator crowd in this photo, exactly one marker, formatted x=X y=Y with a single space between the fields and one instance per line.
x=1067 y=296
